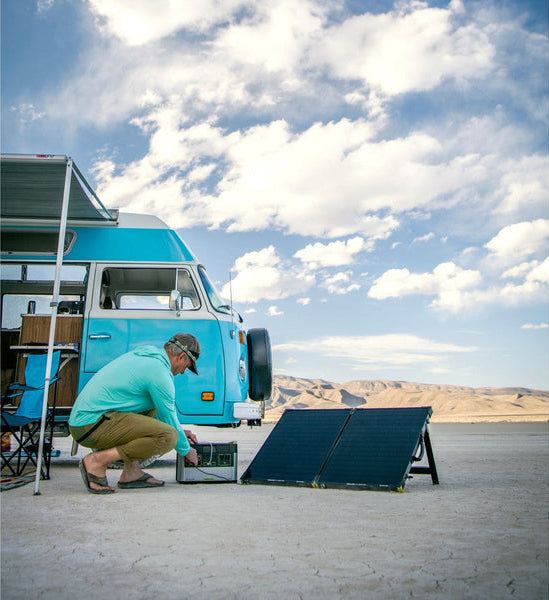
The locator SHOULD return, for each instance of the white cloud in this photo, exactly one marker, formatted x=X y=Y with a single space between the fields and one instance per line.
x=212 y=54
x=374 y=104
x=397 y=350
x=447 y=282
x=333 y=254
x=424 y=238
x=520 y=240
x=534 y=287
x=304 y=301
x=264 y=55
x=164 y=181
x=330 y=180
x=411 y=48
x=166 y=74
x=539 y=272
x=456 y=289
x=274 y=311
x=414 y=47
x=276 y=37
x=340 y=283
x=27 y=113
x=263 y=274
x=327 y=179
x=520 y=270
x=517 y=295
x=44 y=5
x=524 y=185
x=139 y=22
x=535 y=326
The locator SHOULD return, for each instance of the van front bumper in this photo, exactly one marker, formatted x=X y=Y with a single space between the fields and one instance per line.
x=247 y=411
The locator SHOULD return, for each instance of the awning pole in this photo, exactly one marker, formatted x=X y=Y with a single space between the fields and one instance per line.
x=54 y=303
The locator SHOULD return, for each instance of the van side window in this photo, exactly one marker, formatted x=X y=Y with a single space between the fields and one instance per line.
x=28 y=288
x=129 y=288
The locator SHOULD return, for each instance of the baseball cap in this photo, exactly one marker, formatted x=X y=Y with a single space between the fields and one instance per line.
x=188 y=344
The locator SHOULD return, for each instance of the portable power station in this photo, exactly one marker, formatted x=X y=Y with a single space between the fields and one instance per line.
x=217 y=463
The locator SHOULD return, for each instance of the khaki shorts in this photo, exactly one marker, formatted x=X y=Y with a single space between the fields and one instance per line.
x=135 y=436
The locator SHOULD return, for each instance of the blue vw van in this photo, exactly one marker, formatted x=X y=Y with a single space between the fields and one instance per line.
x=126 y=280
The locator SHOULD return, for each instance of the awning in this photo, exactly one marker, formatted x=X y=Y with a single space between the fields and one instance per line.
x=50 y=190
x=32 y=188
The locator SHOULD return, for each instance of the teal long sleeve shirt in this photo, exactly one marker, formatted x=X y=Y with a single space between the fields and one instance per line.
x=137 y=381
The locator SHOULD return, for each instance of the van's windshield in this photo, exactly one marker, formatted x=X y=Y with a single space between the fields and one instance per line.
x=213 y=295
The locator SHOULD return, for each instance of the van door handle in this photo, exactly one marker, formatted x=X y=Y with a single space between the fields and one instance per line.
x=99 y=336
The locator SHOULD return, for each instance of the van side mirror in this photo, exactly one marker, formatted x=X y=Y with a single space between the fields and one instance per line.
x=175 y=300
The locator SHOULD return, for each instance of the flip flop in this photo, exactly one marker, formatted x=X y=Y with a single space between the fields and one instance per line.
x=90 y=478
x=140 y=483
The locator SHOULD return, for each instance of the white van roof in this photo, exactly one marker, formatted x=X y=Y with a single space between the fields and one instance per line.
x=138 y=221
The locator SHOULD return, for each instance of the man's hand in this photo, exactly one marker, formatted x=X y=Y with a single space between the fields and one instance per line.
x=190 y=437
x=191 y=458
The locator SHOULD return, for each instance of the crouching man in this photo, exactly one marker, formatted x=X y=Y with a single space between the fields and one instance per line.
x=127 y=412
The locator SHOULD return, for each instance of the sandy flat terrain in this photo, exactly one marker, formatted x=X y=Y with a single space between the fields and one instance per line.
x=483 y=533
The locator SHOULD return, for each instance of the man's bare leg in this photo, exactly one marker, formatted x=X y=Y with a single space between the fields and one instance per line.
x=133 y=471
x=96 y=463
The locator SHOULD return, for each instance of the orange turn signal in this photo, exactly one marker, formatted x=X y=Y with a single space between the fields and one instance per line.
x=241 y=337
x=207 y=396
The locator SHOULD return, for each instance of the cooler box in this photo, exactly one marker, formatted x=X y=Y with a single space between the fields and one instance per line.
x=217 y=463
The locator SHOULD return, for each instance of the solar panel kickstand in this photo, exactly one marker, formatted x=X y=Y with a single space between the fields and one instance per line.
x=431 y=469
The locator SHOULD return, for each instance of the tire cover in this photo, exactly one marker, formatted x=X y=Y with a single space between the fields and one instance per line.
x=259 y=364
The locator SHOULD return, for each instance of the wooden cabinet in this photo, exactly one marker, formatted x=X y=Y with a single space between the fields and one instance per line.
x=35 y=329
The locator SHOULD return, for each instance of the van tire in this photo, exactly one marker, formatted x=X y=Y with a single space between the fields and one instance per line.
x=259 y=364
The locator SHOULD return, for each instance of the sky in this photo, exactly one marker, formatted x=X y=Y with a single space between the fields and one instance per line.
x=372 y=176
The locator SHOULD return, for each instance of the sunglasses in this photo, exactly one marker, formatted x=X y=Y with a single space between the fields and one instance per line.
x=185 y=349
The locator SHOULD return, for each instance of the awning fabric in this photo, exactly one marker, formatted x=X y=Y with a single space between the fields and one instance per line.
x=32 y=188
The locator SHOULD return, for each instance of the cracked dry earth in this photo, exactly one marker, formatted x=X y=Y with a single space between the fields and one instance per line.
x=482 y=533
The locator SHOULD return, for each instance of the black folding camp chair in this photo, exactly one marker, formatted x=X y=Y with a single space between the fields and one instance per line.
x=24 y=424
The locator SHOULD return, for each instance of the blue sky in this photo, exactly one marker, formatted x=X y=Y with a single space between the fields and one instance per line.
x=374 y=175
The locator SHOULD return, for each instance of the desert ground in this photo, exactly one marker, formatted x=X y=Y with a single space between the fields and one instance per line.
x=482 y=533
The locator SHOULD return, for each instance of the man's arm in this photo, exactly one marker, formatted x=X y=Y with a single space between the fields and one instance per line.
x=163 y=397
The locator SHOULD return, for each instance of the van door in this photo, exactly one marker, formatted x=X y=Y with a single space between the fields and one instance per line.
x=130 y=307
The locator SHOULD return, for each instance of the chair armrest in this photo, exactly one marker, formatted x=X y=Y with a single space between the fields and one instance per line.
x=22 y=387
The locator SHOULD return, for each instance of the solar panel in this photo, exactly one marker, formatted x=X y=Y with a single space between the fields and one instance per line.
x=371 y=448
x=376 y=448
x=297 y=447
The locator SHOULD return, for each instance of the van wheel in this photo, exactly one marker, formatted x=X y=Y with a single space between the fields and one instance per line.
x=260 y=364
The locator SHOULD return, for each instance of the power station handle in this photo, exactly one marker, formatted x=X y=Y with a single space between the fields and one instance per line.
x=100 y=336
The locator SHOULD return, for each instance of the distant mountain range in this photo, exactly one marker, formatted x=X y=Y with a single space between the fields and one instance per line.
x=450 y=403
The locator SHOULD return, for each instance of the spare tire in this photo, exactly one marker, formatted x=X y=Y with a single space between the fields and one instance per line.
x=260 y=364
